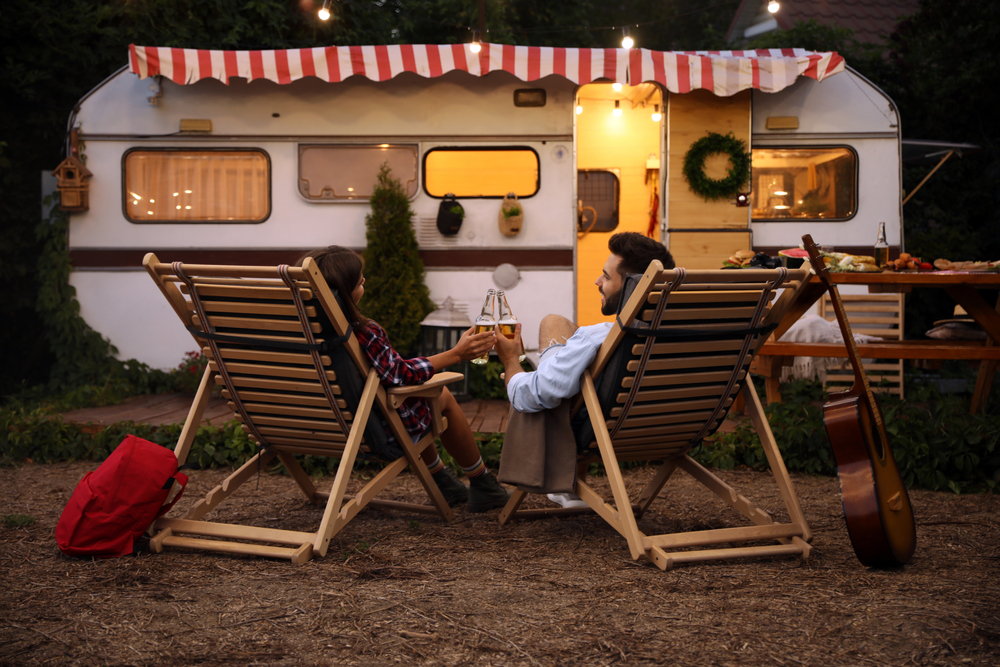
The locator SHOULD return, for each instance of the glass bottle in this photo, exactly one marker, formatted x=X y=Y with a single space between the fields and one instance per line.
x=881 y=247
x=486 y=322
x=507 y=320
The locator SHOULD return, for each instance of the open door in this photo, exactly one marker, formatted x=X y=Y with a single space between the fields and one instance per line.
x=618 y=147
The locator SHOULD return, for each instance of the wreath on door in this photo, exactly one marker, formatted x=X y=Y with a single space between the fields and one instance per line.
x=712 y=189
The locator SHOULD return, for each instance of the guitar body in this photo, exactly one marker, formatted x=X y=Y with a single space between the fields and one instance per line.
x=876 y=506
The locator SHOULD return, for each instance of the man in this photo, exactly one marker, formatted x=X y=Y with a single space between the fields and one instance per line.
x=566 y=349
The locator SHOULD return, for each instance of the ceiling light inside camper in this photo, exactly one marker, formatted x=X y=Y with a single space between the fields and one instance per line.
x=188 y=207
x=780 y=193
x=187 y=192
x=617 y=87
x=618 y=108
x=383 y=145
x=627 y=42
x=176 y=194
x=656 y=113
x=135 y=195
x=178 y=207
x=152 y=201
x=350 y=189
x=773 y=6
x=324 y=13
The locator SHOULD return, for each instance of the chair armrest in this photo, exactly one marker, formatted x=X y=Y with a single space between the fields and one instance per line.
x=430 y=389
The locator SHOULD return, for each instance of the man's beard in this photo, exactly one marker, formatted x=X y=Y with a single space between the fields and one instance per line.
x=611 y=301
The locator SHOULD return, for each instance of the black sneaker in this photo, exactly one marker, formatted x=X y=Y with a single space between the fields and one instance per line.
x=454 y=492
x=485 y=493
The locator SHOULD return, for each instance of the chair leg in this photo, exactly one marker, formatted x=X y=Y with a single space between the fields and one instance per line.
x=197 y=411
x=510 y=509
x=652 y=490
x=327 y=527
x=628 y=528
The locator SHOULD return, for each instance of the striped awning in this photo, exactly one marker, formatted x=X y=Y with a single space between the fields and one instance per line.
x=722 y=72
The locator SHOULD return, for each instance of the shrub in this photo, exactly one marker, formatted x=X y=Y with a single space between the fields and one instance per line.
x=395 y=294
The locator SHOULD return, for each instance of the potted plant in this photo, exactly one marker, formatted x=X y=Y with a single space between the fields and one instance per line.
x=450 y=215
x=511 y=215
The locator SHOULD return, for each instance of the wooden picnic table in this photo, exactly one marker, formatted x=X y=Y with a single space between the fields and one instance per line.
x=962 y=286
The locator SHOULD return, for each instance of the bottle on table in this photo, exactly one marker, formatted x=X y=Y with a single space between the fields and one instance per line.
x=881 y=247
x=486 y=322
x=507 y=320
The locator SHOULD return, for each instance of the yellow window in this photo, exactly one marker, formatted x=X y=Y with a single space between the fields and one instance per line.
x=481 y=172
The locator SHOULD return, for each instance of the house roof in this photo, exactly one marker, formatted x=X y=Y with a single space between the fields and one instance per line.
x=871 y=20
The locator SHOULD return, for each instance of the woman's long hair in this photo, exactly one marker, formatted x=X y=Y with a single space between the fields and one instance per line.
x=341 y=267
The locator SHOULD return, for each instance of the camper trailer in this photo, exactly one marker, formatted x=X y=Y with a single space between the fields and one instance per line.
x=254 y=157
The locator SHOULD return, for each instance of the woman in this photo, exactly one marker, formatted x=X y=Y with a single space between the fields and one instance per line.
x=343 y=270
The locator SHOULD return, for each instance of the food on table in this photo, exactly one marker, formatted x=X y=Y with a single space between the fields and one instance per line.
x=947 y=265
x=845 y=263
x=739 y=259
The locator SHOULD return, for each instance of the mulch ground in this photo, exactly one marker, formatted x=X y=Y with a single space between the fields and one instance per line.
x=404 y=588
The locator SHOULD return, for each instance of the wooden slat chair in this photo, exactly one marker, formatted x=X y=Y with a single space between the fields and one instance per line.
x=874 y=315
x=662 y=382
x=298 y=381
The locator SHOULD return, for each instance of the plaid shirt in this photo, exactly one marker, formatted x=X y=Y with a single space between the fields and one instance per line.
x=394 y=371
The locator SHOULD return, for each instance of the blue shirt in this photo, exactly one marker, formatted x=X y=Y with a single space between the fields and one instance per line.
x=559 y=371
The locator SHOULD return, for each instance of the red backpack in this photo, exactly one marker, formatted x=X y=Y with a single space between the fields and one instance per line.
x=114 y=504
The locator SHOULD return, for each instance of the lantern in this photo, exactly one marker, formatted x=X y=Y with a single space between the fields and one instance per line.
x=439 y=332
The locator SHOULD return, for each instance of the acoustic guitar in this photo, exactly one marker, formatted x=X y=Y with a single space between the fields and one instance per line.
x=876 y=505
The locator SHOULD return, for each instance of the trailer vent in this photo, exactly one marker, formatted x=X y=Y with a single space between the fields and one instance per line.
x=428 y=235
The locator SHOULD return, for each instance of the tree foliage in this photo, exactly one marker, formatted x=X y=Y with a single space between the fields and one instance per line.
x=395 y=293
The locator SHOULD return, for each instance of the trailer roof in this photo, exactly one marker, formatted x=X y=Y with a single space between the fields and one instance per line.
x=723 y=73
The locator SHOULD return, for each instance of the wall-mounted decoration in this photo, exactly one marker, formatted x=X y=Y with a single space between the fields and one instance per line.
x=74 y=191
x=450 y=215
x=511 y=215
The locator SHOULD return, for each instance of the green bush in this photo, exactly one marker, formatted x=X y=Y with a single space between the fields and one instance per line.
x=395 y=293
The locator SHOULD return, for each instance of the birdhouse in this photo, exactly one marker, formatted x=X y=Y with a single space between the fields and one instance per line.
x=74 y=191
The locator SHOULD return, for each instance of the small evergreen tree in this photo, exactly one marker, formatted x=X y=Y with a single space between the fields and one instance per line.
x=395 y=293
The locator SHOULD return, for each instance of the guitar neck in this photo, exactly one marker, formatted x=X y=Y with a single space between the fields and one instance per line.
x=860 y=379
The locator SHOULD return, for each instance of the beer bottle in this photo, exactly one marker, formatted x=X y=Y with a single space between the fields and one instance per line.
x=486 y=322
x=881 y=247
x=507 y=320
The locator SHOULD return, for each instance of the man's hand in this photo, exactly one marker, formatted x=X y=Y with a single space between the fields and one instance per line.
x=509 y=349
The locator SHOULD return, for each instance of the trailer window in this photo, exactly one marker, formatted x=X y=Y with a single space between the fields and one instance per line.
x=597 y=200
x=197 y=186
x=796 y=184
x=481 y=172
x=349 y=173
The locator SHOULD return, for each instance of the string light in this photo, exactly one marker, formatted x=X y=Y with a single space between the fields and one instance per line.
x=618 y=108
x=579 y=109
x=656 y=113
x=475 y=47
x=773 y=6
x=324 y=12
x=617 y=87
x=627 y=41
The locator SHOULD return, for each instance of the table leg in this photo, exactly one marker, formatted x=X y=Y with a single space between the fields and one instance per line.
x=984 y=381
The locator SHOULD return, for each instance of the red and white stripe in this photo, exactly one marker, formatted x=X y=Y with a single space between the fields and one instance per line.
x=726 y=73
x=723 y=72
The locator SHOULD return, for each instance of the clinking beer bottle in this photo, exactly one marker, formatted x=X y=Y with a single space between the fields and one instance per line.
x=485 y=322
x=507 y=320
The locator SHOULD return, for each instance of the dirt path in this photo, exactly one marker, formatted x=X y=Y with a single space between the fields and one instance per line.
x=398 y=588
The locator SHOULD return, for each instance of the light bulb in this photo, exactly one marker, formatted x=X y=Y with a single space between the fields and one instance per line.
x=618 y=109
x=656 y=113
x=476 y=47
x=773 y=6
x=617 y=87
x=579 y=109
x=324 y=12
x=627 y=42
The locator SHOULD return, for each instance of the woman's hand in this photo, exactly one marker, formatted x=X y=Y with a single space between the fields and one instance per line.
x=472 y=345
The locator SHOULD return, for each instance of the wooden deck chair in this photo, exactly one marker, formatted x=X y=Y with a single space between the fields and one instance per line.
x=874 y=315
x=662 y=382
x=297 y=380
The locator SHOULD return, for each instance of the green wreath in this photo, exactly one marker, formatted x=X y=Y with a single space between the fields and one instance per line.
x=712 y=189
